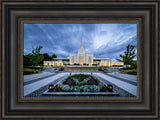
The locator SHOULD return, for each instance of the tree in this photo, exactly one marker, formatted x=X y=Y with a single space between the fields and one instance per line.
x=35 y=57
x=26 y=60
x=47 y=57
x=54 y=56
x=128 y=56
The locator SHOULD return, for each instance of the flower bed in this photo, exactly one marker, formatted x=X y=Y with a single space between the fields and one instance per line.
x=80 y=83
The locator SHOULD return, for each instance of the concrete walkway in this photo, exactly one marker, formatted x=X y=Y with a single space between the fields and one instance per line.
x=123 y=85
x=126 y=76
x=36 y=76
x=133 y=82
x=36 y=85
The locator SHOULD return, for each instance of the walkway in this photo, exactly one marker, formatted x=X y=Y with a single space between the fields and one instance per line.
x=37 y=79
x=126 y=76
x=127 y=86
x=36 y=76
x=29 y=88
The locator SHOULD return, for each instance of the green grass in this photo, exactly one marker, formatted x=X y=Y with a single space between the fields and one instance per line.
x=27 y=71
x=132 y=71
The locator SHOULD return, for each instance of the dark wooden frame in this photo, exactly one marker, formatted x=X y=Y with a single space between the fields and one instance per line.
x=21 y=22
x=13 y=106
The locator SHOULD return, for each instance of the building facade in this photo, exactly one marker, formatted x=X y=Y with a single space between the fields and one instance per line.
x=81 y=58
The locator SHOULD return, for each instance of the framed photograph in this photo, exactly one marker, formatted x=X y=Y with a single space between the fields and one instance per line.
x=80 y=60
x=59 y=72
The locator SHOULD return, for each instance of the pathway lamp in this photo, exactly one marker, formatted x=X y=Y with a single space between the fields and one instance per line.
x=51 y=88
x=110 y=88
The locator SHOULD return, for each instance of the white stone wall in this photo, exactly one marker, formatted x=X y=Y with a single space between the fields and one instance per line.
x=89 y=59
x=72 y=58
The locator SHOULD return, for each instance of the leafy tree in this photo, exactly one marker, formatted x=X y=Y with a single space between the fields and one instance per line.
x=128 y=56
x=134 y=64
x=47 y=57
x=26 y=60
x=54 y=56
x=35 y=57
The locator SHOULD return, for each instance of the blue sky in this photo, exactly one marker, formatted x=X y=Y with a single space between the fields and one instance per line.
x=103 y=40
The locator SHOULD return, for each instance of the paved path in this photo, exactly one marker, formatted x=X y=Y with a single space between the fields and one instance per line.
x=36 y=76
x=133 y=82
x=123 y=85
x=36 y=85
x=37 y=79
x=126 y=76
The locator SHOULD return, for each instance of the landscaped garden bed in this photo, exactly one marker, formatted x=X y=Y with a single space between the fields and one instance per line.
x=80 y=83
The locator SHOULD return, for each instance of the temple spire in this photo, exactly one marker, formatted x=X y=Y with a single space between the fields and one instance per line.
x=81 y=49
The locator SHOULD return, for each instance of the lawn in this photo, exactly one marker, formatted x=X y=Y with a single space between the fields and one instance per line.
x=132 y=71
x=30 y=70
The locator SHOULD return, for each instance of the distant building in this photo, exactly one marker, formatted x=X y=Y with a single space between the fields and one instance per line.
x=83 y=59
x=116 y=63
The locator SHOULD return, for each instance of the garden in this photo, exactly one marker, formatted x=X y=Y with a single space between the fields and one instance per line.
x=80 y=83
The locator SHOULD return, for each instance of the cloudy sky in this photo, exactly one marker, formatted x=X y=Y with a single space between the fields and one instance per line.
x=102 y=40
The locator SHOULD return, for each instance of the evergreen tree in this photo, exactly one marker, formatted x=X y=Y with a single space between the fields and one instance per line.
x=128 y=56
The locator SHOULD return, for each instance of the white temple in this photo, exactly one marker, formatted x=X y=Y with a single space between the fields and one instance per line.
x=81 y=58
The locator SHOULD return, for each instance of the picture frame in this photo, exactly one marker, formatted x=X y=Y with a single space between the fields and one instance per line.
x=83 y=21
x=145 y=13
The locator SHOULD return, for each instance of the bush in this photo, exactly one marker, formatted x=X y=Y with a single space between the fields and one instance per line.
x=105 y=69
x=100 y=69
x=34 y=67
x=85 y=64
x=128 y=68
x=133 y=71
x=94 y=64
x=76 y=64
x=27 y=71
x=80 y=87
x=117 y=65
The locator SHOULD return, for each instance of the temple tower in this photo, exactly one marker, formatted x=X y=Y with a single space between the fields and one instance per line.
x=81 y=50
x=81 y=54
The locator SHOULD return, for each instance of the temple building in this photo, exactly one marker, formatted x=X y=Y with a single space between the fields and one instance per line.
x=82 y=59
